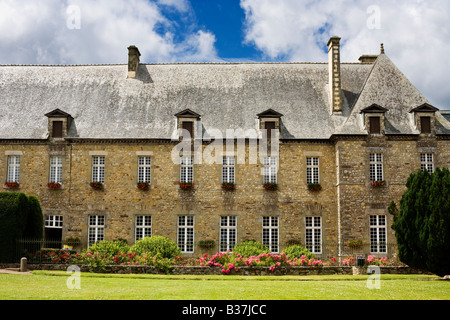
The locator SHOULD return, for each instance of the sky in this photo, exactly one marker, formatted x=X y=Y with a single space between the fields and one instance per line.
x=415 y=33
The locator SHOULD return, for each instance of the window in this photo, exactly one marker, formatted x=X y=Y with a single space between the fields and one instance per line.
x=376 y=167
x=186 y=233
x=187 y=169
x=425 y=124
x=312 y=170
x=374 y=125
x=57 y=131
x=270 y=233
x=189 y=126
x=313 y=234
x=227 y=233
x=228 y=169
x=378 y=234
x=270 y=127
x=53 y=221
x=144 y=169
x=13 y=168
x=426 y=162
x=143 y=227
x=98 y=169
x=270 y=170
x=55 y=169
x=96 y=230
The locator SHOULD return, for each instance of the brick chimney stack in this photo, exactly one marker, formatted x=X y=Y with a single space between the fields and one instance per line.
x=133 y=61
x=334 y=67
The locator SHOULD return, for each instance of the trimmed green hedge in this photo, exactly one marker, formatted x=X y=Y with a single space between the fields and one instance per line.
x=21 y=217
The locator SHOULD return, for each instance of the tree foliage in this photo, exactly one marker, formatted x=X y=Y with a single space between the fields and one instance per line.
x=422 y=223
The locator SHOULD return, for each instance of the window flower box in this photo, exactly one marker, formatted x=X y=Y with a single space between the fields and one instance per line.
x=206 y=244
x=186 y=185
x=270 y=186
x=54 y=185
x=354 y=244
x=314 y=187
x=96 y=185
x=12 y=185
x=229 y=186
x=378 y=183
x=143 y=185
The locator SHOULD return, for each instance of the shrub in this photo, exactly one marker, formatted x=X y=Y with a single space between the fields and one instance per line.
x=297 y=251
x=250 y=248
x=154 y=245
x=110 y=248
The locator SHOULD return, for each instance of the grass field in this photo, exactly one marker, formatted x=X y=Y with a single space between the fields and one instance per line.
x=52 y=285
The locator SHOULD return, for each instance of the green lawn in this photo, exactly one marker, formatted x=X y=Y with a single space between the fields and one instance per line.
x=47 y=285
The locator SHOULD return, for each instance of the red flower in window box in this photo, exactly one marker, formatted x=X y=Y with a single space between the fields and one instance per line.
x=228 y=186
x=378 y=183
x=314 y=186
x=97 y=185
x=54 y=185
x=12 y=184
x=143 y=185
x=186 y=185
x=270 y=186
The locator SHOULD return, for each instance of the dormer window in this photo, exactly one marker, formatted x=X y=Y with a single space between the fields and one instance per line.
x=374 y=119
x=187 y=120
x=424 y=117
x=269 y=120
x=58 y=123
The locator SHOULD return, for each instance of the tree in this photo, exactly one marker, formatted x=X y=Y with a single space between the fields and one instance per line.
x=422 y=224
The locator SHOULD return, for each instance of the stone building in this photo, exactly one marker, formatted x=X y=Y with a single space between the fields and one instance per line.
x=343 y=126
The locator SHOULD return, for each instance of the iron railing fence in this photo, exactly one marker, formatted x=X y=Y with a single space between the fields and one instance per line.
x=44 y=250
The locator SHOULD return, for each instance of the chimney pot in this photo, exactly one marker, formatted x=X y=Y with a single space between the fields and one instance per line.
x=133 y=61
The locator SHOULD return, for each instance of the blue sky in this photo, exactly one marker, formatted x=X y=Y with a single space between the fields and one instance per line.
x=414 y=32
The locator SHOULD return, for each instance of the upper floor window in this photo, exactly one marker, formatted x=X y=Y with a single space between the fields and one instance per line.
x=426 y=162
x=270 y=170
x=13 y=168
x=312 y=170
x=187 y=169
x=376 y=167
x=98 y=169
x=228 y=170
x=56 y=169
x=144 y=169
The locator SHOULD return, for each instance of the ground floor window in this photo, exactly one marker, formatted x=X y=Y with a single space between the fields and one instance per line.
x=378 y=234
x=313 y=234
x=186 y=233
x=96 y=231
x=53 y=231
x=270 y=233
x=227 y=233
x=143 y=227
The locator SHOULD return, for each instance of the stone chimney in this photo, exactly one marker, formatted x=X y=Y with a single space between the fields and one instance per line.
x=133 y=61
x=334 y=67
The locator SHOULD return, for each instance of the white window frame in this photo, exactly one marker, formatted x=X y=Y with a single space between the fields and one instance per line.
x=98 y=169
x=185 y=237
x=376 y=167
x=378 y=234
x=427 y=162
x=228 y=169
x=13 y=169
x=270 y=233
x=228 y=233
x=96 y=229
x=56 y=169
x=144 y=169
x=53 y=221
x=187 y=169
x=143 y=227
x=312 y=170
x=270 y=170
x=313 y=234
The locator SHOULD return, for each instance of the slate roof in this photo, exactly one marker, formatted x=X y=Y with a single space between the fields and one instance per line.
x=105 y=104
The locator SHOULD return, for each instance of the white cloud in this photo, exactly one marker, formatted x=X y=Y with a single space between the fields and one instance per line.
x=46 y=32
x=414 y=34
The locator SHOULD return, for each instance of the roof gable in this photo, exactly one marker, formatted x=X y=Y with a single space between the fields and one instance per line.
x=58 y=113
x=426 y=107
x=269 y=113
x=374 y=108
x=187 y=113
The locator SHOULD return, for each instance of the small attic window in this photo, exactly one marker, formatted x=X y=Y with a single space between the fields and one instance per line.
x=189 y=127
x=374 y=125
x=57 y=131
x=425 y=124
x=269 y=126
